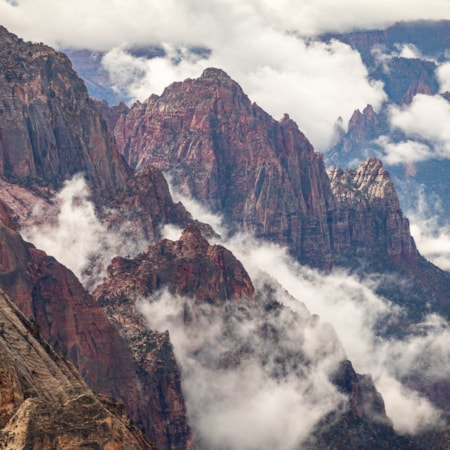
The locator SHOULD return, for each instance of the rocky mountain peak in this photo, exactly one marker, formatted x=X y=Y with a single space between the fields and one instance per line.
x=367 y=215
x=189 y=267
x=370 y=179
x=262 y=174
x=49 y=128
x=215 y=74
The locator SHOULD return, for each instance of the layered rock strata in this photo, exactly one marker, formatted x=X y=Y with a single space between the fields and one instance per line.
x=68 y=318
x=49 y=128
x=263 y=175
x=45 y=404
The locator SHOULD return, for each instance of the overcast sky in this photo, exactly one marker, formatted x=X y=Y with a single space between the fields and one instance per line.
x=255 y=41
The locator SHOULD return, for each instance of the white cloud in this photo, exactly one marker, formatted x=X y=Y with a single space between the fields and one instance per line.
x=443 y=74
x=404 y=152
x=426 y=117
x=354 y=310
x=75 y=236
x=108 y=23
x=261 y=388
x=425 y=124
x=431 y=235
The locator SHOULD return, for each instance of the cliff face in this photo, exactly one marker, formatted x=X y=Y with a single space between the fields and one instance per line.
x=367 y=217
x=44 y=403
x=144 y=206
x=49 y=128
x=263 y=175
x=67 y=317
x=199 y=275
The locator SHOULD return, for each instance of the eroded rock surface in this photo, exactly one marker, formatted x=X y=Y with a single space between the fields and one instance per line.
x=45 y=404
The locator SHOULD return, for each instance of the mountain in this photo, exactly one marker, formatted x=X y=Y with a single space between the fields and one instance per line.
x=45 y=403
x=181 y=333
x=264 y=177
x=49 y=127
x=67 y=316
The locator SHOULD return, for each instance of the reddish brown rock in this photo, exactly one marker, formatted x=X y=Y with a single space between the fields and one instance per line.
x=263 y=175
x=145 y=205
x=45 y=404
x=188 y=267
x=367 y=218
x=68 y=317
x=363 y=127
x=49 y=128
x=111 y=114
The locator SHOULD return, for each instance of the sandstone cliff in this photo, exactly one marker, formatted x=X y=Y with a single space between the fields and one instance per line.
x=263 y=175
x=68 y=317
x=45 y=404
x=49 y=128
x=367 y=218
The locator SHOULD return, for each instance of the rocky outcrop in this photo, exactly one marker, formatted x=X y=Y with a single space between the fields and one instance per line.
x=263 y=175
x=49 y=128
x=367 y=218
x=111 y=114
x=44 y=403
x=187 y=267
x=145 y=205
x=354 y=145
x=69 y=319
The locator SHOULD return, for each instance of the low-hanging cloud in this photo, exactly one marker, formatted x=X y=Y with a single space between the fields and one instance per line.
x=424 y=126
x=76 y=237
x=236 y=378
x=355 y=311
x=432 y=236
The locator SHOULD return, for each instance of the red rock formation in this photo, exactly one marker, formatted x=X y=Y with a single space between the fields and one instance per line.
x=367 y=218
x=145 y=205
x=44 y=403
x=49 y=128
x=263 y=175
x=188 y=267
x=111 y=114
x=68 y=317
x=363 y=127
